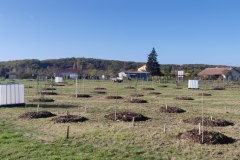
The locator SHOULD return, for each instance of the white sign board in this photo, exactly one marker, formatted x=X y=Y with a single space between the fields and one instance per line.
x=193 y=84
x=58 y=79
x=180 y=73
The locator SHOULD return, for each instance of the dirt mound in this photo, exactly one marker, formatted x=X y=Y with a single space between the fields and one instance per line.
x=136 y=95
x=218 y=88
x=100 y=88
x=49 y=89
x=171 y=110
x=40 y=114
x=99 y=92
x=163 y=86
x=49 y=93
x=155 y=93
x=207 y=121
x=126 y=116
x=69 y=118
x=184 y=98
x=149 y=89
x=42 y=100
x=81 y=95
x=209 y=137
x=135 y=100
x=205 y=94
x=129 y=87
x=114 y=97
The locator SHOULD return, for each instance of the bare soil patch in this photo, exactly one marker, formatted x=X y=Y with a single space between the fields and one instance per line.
x=155 y=93
x=42 y=100
x=135 y=100
x=99 y=92
x=171 y=110
x=81 y=95
x=126 y=116
x=100 y=88
x=164 y=86
x=49 y=89
x=49 y=93
x=218 y=88
x=114 y=97
x=136 y=95
x=184 y=98
x=207 y=121
x=69 y=118
x=40 y=114
x=149 y=89
x=205 y=94
x=209 y=137
x=59 y=85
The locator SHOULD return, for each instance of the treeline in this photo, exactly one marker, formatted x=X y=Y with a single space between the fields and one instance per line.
x=90 y=66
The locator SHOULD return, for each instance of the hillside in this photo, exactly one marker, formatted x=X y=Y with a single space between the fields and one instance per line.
x=90 y=66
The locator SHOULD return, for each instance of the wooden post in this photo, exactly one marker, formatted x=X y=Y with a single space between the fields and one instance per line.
x=133 y=120
x=166 y=107
x=67 y=132
x=37 y=108
x=202 y=115
x=76 y=88
x=199 y=128
x=211 y=118
x=115 y=112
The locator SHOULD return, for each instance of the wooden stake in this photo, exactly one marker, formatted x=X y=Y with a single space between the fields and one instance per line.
x=199 y=128
x=37 y=108
x=115 y=113
x=202 y=115
x=164 y=128
x=166 y=106
x=211 y=118
x=76 y=88
x=67 y=132
x=133 y=120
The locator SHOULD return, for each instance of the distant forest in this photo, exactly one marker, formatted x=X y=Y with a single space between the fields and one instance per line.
x=88 y=66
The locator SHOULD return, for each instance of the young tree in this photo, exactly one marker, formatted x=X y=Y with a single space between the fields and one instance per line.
x=152 y=64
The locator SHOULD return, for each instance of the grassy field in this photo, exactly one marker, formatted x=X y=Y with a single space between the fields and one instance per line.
x=99 y=138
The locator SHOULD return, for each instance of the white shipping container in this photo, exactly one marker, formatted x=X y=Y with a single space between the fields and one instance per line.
x=11 y=94
x=193 y=84
x=58 y=79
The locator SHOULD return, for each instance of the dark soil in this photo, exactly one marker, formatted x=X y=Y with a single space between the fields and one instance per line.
x=59 y=85
x=49 y=89
x=40 y=114
x=126 y=116
x=114 y=97
x=69 y=118
x=205 y=94
x=184 y=98
x=99 y=92
x=218 y=88
x=171 y=110
x=137 y=95
x=42 y=100
x=151 y=89
x=129 y=87
x=100 y=88
x=29 y=87
x=155 y=93
x=164 y=86
x=49 y=93
x=208 y=122
x=82 y=95
x=134 y=100
x=209 y=137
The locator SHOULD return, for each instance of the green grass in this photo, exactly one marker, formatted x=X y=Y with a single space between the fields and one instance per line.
x=100 y=138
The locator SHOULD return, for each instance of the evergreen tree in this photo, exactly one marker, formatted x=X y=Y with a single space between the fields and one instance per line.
x=152 y=64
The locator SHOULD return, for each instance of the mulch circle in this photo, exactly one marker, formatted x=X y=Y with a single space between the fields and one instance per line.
x=81 y=95
x=184 y=98
x=114 y=97
x=218 y=88
x=42 y=100
x=129 y=87
x=163 y=86
x=100 y=92
x=151 y=89
x=135 y=100
x=126 y=116
x=100 y=88
x=40 y=114
x=136 y=95
x=171 y=110
x=49 y=89
x=155 y=93
x=209 y=137
x=208 y=122
x=204 y=94
x=69 y=118
x=49 y=93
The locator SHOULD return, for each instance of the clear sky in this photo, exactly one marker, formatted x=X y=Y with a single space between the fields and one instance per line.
x=182 y=31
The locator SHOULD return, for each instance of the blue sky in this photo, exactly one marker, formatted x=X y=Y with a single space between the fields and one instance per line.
x=182 y=31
